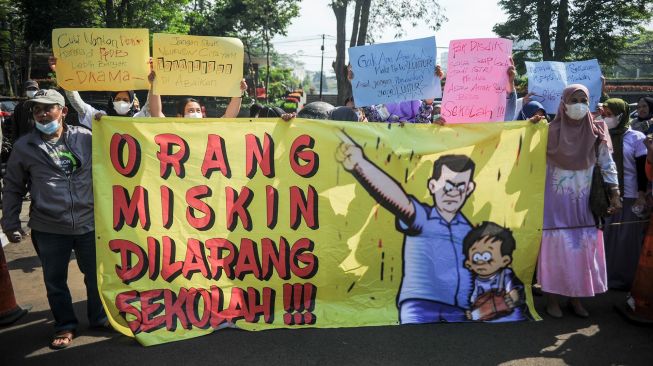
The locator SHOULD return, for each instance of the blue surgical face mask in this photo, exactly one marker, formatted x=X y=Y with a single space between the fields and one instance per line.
x=48 y=128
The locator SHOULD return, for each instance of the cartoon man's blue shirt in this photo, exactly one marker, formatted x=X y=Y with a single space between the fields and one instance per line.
x=433 y=258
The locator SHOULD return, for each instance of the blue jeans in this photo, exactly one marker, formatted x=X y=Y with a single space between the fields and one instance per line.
x=416 y=311
x=54 y=251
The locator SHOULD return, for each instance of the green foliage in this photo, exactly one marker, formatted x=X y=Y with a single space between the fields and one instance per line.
x=574 y=29
x=26 y=23
x=636 y=59
x=397 y=14
x=281 y=81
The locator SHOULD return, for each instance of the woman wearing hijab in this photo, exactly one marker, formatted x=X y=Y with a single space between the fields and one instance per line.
x=623 y=242
x=572 y=261
x=643 y=122
x=531 y=109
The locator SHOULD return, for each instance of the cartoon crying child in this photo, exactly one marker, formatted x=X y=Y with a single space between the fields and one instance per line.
x=497 y=295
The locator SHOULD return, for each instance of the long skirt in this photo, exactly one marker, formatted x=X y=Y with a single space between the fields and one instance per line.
x=623 y=237
x=572 y=257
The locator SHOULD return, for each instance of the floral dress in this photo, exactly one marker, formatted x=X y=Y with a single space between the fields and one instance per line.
x=572 y=256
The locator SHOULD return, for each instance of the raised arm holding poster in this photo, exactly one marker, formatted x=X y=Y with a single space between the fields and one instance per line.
x=475 y=90
x=547 y=79
x=394 y=72
x=269 y=224
x=197 y=65
x=110 y=59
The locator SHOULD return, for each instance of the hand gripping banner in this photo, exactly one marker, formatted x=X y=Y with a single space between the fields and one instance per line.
x=262 y=224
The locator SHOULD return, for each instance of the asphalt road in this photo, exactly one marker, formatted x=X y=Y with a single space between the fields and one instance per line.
x=603 y=339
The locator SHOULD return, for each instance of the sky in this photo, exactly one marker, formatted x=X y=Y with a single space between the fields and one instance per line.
x=304 y=36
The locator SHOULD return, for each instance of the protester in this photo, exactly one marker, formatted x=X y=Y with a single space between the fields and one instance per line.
x=316 y=110
x=410 y=111
x=22 y=119
x=260 y=111
x=530 y=110
x=191 y=108
x=644 y=119
x=639 y=303
x=572 y=261
x=119 y=104
x=623 y=240
x=54 y=163
x=349 y=114
x=511 y=98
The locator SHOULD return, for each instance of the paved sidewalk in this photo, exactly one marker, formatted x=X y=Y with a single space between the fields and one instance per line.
x=603 y=339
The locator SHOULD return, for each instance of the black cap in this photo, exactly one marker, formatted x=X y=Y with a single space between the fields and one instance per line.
x=31 y=84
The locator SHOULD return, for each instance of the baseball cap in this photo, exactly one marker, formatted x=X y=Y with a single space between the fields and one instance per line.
x=31 y=84
x=48 y=96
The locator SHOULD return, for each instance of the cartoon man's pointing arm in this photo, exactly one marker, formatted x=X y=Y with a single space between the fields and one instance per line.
x=385 y=190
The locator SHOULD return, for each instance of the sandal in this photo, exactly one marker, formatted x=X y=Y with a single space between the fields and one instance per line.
x=62 y=339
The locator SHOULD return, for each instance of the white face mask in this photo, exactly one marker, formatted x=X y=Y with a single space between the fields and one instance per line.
x=30 y=93
x=122 y=107
x=193 y=115
x=48 y=128
x=612 y=122
x=577 y=111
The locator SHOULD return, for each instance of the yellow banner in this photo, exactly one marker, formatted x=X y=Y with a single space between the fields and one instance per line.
x=197 y=65
x=101 y=58
x=261 y=224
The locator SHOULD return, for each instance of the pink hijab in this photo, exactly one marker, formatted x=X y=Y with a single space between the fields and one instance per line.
x=571 y=142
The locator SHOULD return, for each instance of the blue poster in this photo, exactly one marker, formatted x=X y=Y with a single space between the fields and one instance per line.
x=547 y=79
x=394 y=72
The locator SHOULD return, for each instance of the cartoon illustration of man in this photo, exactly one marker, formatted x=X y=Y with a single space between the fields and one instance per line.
x=498 y=294
x=435 y=286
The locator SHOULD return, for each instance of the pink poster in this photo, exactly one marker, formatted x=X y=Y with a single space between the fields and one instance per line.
x=477 y=78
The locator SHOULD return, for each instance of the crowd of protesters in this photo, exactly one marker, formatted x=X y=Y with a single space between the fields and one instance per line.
x=580 y=257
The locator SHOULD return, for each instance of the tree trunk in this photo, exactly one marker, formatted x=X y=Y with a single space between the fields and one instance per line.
x=354 y=29
x=562 y=29
x=6 y=68
x=365 y=19
x=110 y=15
x=544 y=28
x=30 y=51
x=121 y=15
x=340 y=11
x=267 y=71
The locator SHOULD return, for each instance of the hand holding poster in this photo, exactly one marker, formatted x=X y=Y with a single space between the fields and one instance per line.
x=394 y=72
x=547 y=79
x=101 y=58
x=197 y=65
x=477 y=77
x=261 y=225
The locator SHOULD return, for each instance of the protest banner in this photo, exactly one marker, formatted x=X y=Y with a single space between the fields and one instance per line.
x=394 y=72
x=268 y=224
x=197 y=65
x=101 y=58
x=475 y=90
x=547 y=80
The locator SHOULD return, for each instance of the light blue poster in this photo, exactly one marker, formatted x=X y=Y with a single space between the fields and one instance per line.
x=394 y=72
x=547 y=79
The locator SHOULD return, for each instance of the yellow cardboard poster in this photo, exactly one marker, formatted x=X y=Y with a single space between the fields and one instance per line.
x=262 y=224
x=197 y=65
x=109 y=59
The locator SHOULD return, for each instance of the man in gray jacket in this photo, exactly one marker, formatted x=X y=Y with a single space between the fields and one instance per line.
x=54 y=163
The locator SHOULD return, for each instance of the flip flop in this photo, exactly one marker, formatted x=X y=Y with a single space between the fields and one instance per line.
x=68 y=335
